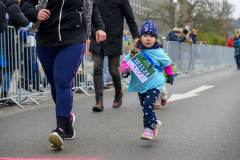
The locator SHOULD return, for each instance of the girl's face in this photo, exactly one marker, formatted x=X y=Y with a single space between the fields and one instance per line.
x=148 y=40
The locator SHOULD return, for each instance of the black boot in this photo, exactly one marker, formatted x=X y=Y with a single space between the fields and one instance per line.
x=4 y=94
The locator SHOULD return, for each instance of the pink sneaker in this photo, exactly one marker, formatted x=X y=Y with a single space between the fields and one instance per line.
x=147 y=134
x=157 y=126
x=156 y=106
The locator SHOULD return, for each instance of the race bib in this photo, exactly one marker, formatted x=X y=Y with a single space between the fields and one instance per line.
x=141 y=67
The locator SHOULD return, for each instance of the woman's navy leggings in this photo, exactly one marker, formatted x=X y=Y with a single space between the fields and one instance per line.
x=60 y=65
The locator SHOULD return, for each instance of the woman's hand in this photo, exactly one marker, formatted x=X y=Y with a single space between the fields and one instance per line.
x=100 y=36
x=43 y=14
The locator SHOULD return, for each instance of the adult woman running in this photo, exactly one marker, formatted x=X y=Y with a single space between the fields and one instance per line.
x=62 y=28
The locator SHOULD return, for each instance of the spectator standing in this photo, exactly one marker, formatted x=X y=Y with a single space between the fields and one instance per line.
x=174 y=35
x=60 y=48
x=3 y=17
x=230 y=42
x=183 y=34
x=192 y=36
x=113 y=13
x=237 y=50
x=16 y=19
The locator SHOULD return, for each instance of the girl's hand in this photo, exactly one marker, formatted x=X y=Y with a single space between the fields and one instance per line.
x=100 y=36
x=43 y=14
x=126 y=73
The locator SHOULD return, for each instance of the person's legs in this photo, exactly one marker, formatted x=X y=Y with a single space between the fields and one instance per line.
x=98 y=76
x=98 y=80
x=7 y=78
x=149 y=118
x=163 y=95
x=66 y=65
x=113 y=63
x=47 y=57
x=63 y=67
x=238 y=57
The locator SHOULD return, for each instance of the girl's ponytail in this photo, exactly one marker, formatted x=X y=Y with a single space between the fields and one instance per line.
x=134 y=51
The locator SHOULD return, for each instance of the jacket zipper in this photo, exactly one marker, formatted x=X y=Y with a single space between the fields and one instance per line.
x=80 y=17
x=60 y=16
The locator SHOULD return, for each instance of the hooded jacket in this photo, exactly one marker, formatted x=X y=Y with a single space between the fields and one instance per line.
x=66 y=19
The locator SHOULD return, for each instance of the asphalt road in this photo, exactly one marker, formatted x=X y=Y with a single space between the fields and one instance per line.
x=205 y=127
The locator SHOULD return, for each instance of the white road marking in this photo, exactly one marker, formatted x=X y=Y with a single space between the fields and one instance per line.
x=189 y=94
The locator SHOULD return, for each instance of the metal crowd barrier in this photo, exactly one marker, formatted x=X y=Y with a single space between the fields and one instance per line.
x=22 y=76
x=9 y=73
x=197 y=57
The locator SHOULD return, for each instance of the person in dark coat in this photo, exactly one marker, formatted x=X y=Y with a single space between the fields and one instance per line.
x=192 y=35
x=174 y=35
x=3 y=17
x=112 y=13
x=17 y=20
x=237 y=50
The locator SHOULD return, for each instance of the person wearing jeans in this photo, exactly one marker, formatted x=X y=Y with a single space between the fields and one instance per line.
x=113 y=13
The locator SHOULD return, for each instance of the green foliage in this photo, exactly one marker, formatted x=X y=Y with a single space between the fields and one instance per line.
x=211 y=38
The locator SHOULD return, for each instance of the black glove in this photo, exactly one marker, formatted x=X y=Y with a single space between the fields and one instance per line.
x=185 y=31
x=170 y=79
x=126 y=73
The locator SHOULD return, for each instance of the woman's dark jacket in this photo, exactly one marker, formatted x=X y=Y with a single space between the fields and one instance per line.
x=113 y=13
x=66 y=19
x=236 y=46
x=193 y=37
x=17 y=20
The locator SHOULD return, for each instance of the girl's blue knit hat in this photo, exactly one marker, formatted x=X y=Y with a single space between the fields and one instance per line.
x=149 y=27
